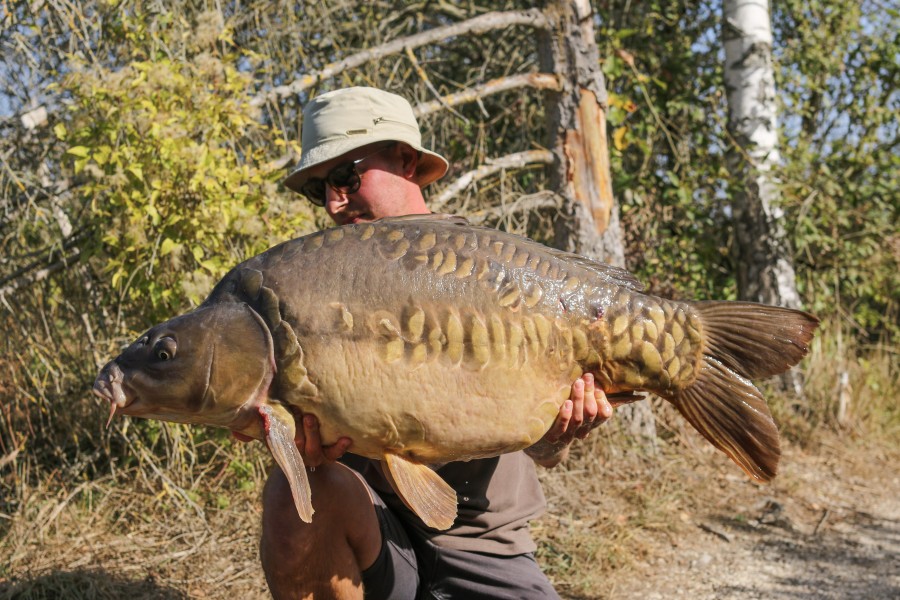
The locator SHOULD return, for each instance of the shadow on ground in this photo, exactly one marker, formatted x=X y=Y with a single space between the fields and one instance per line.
x=854 y=558
x=86 y=584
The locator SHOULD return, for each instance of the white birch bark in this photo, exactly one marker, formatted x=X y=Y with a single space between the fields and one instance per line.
x=765 y=268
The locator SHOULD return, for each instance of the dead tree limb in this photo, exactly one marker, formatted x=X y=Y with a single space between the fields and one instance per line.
x=510 y=161
x=481 y=24
x=523 y=204
x=424 y=77
x=34 y=276
x=541 y=81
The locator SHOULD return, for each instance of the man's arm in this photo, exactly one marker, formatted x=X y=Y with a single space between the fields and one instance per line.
x=586 y=409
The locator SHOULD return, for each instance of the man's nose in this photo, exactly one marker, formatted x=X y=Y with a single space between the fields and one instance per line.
x=334 y=199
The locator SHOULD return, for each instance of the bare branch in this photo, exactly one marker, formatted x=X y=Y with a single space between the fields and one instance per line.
x=487 y=22
x=541 y=81
x=510 y=161
x=523 y=204
x=32 y=277
x=424 y=77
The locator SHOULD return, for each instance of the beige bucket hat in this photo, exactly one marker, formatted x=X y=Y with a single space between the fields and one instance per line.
x=338 y=122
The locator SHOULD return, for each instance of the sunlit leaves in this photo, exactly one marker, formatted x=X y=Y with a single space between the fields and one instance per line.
x=171 y=165
x=842 y=166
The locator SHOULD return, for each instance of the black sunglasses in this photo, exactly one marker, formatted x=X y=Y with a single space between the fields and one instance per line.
x=344 y=178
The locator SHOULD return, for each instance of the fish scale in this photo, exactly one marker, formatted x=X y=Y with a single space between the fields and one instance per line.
x=426 y=340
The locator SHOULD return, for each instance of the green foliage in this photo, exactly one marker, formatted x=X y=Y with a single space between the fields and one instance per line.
x=840 y=81
x=667 y=119
x=837 y=79
x=154 y=175
x=174 y=179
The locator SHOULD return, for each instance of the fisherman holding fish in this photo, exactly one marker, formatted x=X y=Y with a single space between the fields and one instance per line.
x=362 y=160
x=442 y=353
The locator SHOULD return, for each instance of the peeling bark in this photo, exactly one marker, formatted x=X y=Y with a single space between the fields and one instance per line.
x=576 y=130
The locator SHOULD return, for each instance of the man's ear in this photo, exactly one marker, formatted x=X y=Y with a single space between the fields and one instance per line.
x=410 y=160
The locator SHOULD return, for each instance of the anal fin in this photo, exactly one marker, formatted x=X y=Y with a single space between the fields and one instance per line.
x=732 y=414
x=423 y=491
x=280 y=429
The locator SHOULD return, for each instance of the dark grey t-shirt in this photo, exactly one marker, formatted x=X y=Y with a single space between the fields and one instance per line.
x=496 y=498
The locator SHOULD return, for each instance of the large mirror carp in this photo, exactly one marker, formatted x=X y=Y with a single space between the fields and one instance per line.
x=427 y=340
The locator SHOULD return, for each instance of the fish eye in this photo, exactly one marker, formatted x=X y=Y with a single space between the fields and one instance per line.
x=165 y=349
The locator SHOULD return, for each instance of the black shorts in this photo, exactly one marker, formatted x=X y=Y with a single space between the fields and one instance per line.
x=409 y=567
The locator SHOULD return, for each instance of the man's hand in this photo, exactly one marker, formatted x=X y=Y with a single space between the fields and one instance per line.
x=309 y=442
x=586 y=409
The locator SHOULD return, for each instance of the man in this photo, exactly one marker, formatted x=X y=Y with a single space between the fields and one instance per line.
x=363 y=160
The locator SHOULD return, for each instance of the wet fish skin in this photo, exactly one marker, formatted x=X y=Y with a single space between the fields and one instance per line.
x=426 y=340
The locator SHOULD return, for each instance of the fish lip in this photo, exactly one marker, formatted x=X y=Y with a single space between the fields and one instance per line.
x=108 y=386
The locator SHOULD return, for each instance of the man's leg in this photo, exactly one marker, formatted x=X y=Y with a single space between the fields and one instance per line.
x=477 y=576
x=326 y=557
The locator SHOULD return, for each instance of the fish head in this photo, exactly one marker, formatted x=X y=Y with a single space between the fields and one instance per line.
x=211 y=366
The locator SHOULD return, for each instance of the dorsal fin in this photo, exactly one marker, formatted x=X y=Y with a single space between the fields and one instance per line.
x=608 y=273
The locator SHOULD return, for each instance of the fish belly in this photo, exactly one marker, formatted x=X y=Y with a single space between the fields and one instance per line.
x=435 y=402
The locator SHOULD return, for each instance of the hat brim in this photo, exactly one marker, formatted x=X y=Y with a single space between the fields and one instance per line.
x=431 y=167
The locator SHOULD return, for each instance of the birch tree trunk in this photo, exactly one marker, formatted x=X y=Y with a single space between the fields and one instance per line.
x=765 y=271
x=576 y=129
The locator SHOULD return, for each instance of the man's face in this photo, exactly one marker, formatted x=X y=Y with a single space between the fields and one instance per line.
x=386 y=186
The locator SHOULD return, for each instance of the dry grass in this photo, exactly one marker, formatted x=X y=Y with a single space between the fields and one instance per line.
x=176 y=512
x=106 y=539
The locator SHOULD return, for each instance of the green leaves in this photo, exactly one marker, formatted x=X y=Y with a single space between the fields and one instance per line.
x=837 y=82
x=841 y=166
x=172 y=162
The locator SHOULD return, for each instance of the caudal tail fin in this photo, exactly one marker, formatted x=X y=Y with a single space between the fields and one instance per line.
x=743 y=340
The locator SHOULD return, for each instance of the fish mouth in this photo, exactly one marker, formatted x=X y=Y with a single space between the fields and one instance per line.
x=108 y=386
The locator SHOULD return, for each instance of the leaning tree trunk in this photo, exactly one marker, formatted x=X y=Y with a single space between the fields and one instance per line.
x=576 y=128
x=765 y=271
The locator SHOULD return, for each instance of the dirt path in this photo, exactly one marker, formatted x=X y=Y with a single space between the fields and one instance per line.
x=827 y=530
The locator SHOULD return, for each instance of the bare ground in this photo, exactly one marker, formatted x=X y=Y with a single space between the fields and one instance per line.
x=825 y=534
x=684 y=523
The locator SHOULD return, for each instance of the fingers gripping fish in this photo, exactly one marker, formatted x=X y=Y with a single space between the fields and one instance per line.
x=426 y=340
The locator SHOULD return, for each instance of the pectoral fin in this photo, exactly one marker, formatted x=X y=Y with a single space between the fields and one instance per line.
x=280 y=430
x=423 y=491
x=617 y=399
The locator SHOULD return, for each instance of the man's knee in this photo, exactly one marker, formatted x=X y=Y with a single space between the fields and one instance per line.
x=344 y=518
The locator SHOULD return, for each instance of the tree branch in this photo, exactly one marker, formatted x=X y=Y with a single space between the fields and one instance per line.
x=424 y=77
x=541 y=81
x=510 y=161
x=524 y=204
x=29 y=278
x=481 y=24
